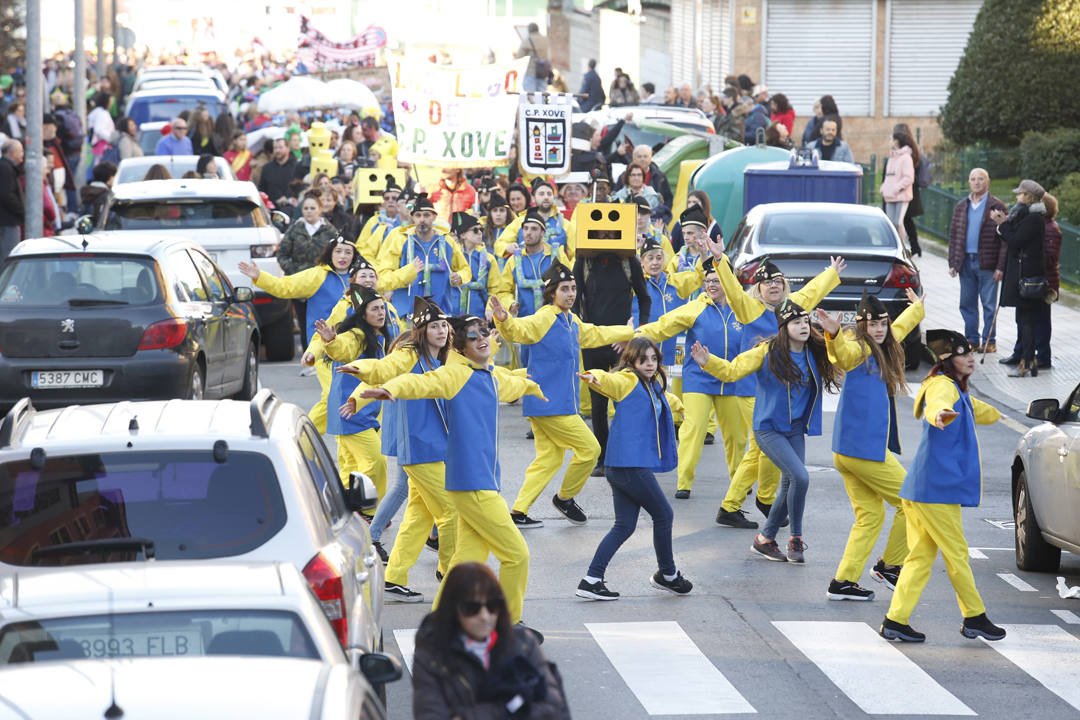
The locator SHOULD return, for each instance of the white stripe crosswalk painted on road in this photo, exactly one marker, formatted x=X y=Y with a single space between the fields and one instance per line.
x=666 y=671
x=1017 y=583
x=1068 y=616
x=406 y=641
x=856 y=659
x=1047 y=653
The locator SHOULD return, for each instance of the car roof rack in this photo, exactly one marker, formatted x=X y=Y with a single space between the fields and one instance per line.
x=19 y=415
x=263 y=406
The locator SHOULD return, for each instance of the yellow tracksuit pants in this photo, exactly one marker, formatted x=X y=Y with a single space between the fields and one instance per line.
x=325 y=373
x=753 y=468
x=932 y=527
x=428 y=503
x=697 y=409
x=362 y=452
x=554 y=435
x=870 y=485
x=676 y=390
x=484 y=527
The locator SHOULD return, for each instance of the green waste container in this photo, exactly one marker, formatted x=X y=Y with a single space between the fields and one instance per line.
x=721 y=177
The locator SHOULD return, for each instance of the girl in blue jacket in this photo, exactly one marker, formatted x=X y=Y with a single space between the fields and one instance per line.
x=791 y=368
x=641 y=442
x=945 y=476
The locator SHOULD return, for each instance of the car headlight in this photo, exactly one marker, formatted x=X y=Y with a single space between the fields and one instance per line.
x=263 y=251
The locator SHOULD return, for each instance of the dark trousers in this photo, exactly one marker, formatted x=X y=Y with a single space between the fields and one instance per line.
x=602 y=358
x=1041 y=319
x=1026 y=317
x=912 y=234
x=300 y=308
x=634 y=489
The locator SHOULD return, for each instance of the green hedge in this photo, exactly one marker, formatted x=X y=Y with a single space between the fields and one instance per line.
x=1047 y=157
x=1068 y=197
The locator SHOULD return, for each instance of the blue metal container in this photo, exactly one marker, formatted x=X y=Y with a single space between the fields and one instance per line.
x=793 y=181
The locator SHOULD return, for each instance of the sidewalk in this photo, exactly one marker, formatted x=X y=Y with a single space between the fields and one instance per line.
x=991 y=378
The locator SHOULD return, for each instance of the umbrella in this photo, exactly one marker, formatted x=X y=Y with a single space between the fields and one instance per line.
x=354 y=94
x=298 y=93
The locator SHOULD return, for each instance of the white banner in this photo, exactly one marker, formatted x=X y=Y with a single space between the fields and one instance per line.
x=544 y=134
x=458 y=117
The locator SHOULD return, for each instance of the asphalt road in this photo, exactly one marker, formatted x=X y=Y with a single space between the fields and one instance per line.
x=760 y=637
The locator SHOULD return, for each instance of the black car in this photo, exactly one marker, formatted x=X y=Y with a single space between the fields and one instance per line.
x=96 y=319
x=799 y=238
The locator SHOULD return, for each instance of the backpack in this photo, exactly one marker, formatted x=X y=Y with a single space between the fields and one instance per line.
x=924 y=174
x=71 y=132
x=111 y=155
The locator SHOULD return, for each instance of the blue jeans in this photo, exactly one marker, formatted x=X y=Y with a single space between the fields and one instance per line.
x=389 y=505
x=631 y=490
x=977 y=285
x=788 y=453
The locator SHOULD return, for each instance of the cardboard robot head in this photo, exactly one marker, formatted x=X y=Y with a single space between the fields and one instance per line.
x=606 y=227
x=318 y=137
x=370 y=183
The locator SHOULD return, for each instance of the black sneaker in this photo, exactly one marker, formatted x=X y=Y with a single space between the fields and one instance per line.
x=769 y=550
x=597 y=471
x=536 y=633
x=891 y=630
x=432 y=543
x=709 y=438
x=1011 y=360
x=524 y=522
x=439 y=576
x=766 y=509
x=795 y=549
x=980 y=626
x=595 y=591
x=383 y=555
x=400 y=593
x=847 y=590
x=682 y=494
x=570 y=510
x=679 y=586
x=735 y=519
x=887 y=574
x=529 y=435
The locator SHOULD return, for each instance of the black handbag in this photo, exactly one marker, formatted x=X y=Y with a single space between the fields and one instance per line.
x=1033 y=288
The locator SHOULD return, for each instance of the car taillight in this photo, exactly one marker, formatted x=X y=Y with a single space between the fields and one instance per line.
x=263 y=300
x=165 y=334
x=901 y=276
x=746 y=273
x=325 y=582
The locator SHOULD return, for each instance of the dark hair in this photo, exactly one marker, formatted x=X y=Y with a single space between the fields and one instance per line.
x=548 y=295
x=465 y=582
x=703 y=198
x=103 y=171
x=370 y=123
x=745 y=83
x=828 y=105
x=458 y=339
x=158 y=171
x=102 y=99
x=781 y=102
x=592 y=64
x=648 y=87
x=945 y=367
x=327 y=254
x=357 y=321
x=533 y=27
x=281 y=139
x=312 y=194
x=635 y=350
x=889 y=356
x=123 y=123
x=839 y=124
x=416 y=340
x=519 y=187
x=772 y=136
x=904 y=138
x=190 y=175
x=204 y=160
x=786 y=371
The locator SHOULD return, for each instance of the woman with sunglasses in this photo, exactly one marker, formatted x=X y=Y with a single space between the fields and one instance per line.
x=473 y=388
x=472 y=662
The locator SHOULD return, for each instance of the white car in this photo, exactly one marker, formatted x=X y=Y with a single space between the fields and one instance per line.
x=180 y=73
x=134 y=169
x=229 y=220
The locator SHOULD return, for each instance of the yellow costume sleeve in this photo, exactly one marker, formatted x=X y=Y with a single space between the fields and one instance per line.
x=509 y=236
x=346 y=347
x=528 y=330
x=389 y=257
x=391 y=279
x=442 y=383
x=513 y=386
x=590 y=336
x=303 y=284
x=936 y=394
x=845 y=351
x=985 y=413
x=508 y=296
x=746 y=308
x=687 y=281
x=744 y=364
x=458 y=263
x=674 y=322
x=366 y=242
x=815 y=291
x=669 y=250
x=906 y=321
x=316 y=346
x=495 y=280
x=614 y=385
x=377 y=371
x=675 y=403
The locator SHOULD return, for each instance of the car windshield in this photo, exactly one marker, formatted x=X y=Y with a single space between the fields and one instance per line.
x=79 y=278
x=187 y=505
x=166 y=108
x=196 y=213
x=177 y=165
x=154 y=634
x=829 y=230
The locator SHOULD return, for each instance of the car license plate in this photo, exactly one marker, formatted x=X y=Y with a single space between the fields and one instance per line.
x=153 y=644
x=847 y=317
x=67 y=378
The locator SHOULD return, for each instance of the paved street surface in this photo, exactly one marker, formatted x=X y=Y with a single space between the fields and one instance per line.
x=760 y=637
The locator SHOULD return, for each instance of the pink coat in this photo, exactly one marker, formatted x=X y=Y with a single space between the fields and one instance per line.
x=899 y=176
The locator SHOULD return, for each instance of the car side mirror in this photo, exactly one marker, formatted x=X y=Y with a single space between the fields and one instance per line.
x=84 y=225
x=243 y=294
x=361 y=493
x=379 y=668
x=1044 y=409
x=280 y=220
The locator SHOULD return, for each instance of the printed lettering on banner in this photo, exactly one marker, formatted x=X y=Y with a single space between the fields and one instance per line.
x=455 y=117
x=544 y=135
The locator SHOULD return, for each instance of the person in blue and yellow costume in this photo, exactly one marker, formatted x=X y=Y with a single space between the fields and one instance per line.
x=556 y=337
x=866 y=436
x=496 y=219
x=471 y=298
x=555 y=228
x=379 y=225
x=472 y=389
x=755 y=309
x=945 y=476
x=363 y=334
x=646 y=230
x=641 y=442
x=421 y=443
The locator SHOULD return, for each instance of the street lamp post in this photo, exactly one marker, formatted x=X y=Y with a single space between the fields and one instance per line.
x=79 y=95
x=34 y=109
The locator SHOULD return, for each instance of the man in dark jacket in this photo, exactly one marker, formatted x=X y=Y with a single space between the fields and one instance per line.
x=974 y=248
x=593 y=87
x=277 y=173
x=655 y=177
x=12 y=204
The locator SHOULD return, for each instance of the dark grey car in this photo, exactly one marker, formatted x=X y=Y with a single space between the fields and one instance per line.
x=93 y=319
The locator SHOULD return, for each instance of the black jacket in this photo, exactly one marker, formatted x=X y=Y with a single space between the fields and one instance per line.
x=12 y=204
x=657 y=180
x=1022 y=234
x=276 y=177
x=605 y=287
x=593 y=87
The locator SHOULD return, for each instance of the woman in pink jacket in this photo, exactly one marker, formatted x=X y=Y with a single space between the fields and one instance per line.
x=896 y=189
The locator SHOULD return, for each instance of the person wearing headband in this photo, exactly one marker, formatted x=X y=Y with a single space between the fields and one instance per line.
x=945 y=476
x=472 y=297
x=555 y=227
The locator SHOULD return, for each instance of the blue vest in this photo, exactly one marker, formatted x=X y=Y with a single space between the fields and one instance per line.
x=717 y=329
x=475 y=303
x=321 y=304
x=341 y=387
x=472 y=459
x=664 y=299
x=553 y=364
x=773 y=407
x=438 y=254
x=865 y=425
x=422 y=432
x=762 y=328
x=946 y=468
x=531 y=267
x=643 y=432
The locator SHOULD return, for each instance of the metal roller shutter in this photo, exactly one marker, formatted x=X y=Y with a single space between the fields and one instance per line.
x=683 y=62
x=926 y=39
x=716 y=43
x=820 y=48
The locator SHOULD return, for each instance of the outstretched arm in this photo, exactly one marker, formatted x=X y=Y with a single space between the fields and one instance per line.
x=613 y=385
x=513 y=386
x=743 y=365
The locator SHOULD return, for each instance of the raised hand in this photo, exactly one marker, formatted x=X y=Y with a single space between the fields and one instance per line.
x=716 y=247
x=514 y=307
x=250 y=269
x=699 y=353
x=838 y=264
x=497 y=310
x=829 y=323
x=326 y=332
x=913 y=298
x=943 y=417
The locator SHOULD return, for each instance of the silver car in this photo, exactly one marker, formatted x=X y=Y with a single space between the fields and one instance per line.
x=1046 y=485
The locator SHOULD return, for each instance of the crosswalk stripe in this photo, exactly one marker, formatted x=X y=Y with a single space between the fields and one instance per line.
x=858 y=661
x=666 y=671
x=1068 y=616
x=406 y=642
x=1041 y=652
x=1017 y=582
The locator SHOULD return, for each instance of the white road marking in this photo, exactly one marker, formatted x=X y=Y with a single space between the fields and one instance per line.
x=830 y=401
x=666 y=671
x=1046 y=653
x=1014 y=424
x=406 y=642
x=1017 y=582
x=977 y=553
x=855 y=658
x=1068 y=616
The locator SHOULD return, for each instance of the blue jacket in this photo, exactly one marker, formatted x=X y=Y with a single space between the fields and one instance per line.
x=422 y=432
x=439 y=254
x=341 y=387
x=643 y=431
x=665 y=298
x=593 y=88
x=321 y=304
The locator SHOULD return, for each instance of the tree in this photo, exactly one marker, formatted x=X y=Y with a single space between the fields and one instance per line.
x=1018 y=72
x=12 y=34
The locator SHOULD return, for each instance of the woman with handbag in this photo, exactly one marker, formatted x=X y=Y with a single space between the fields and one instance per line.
x=1024 y=283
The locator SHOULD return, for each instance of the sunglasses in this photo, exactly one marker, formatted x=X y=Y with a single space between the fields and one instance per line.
x=475 y=335
x=468 y=608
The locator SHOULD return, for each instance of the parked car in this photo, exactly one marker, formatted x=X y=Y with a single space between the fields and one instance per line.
x=167 y=103
x=180 y=73
x=134 y=169
x=800 y=238
x=183 y=480
x=229 y=219
x=1046 y=485
x=110 y=317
